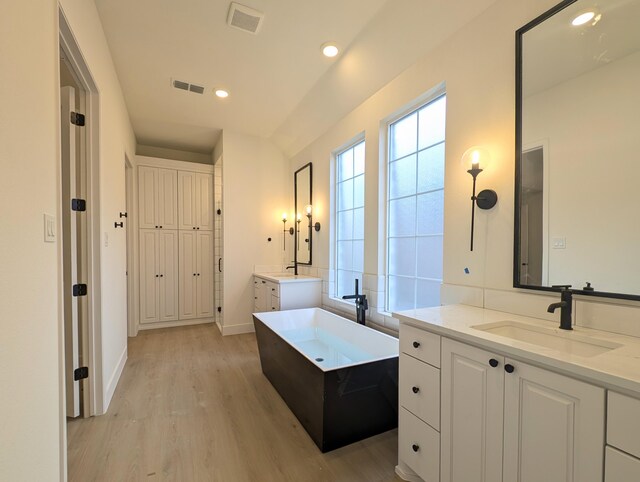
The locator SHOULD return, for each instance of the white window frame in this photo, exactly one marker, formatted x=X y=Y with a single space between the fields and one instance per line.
x=353 y=142
x=383 y=188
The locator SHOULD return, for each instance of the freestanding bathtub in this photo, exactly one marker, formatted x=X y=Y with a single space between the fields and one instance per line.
x=340 y=379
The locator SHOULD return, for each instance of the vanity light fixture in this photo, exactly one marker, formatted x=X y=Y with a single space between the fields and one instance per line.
x=309 y=210
x=222 y=93
x=298 y=221
x=284 y=230
x=472 y=160
x=330 y=49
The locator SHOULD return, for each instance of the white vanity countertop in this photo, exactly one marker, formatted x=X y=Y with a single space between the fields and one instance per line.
x=618 y=368
x=287 y=278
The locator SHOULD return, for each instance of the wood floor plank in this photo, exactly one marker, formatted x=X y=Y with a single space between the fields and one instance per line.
x=194 y=406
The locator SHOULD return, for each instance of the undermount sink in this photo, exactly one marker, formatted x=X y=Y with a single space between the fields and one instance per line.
x=556 y=339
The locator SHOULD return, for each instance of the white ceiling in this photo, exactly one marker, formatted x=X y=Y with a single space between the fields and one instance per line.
x=281 y=86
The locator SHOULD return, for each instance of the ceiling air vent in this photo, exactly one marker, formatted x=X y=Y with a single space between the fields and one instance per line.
x=179 y=84
x=244 y=18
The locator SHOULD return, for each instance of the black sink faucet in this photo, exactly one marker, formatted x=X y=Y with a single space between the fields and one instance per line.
x=361 y=304
x=565 y=305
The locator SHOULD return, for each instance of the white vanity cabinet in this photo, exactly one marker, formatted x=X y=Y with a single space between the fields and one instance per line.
x=499 y=419
x=505 y=420
x=622 y=455
x=274 y=292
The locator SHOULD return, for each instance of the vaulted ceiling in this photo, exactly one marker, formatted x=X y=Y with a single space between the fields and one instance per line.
x=280 y=85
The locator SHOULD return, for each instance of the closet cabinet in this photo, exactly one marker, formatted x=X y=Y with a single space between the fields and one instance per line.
x=195 y=194
x=196 y=274
x=176 y=243
x=158 y=276
x=157 y=198
x=501 y=418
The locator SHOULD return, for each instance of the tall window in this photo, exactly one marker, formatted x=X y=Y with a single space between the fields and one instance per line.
x=416 y=208
x=350 y=216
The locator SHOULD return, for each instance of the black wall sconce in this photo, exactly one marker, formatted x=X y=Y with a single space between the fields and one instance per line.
x=472 y=159
x=285 y=230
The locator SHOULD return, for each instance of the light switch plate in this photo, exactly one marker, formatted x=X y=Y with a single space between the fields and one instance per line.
x=49 y=229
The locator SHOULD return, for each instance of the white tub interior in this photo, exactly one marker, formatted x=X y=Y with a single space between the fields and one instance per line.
x=328 y=340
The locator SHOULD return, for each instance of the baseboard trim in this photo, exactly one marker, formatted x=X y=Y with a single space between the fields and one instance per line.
x=219 y=326
x=113 y=381
x=238 y=329
x=173 y=324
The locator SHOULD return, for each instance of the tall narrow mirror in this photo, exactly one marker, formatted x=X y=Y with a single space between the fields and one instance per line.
x=303 y=201
x=577 y=169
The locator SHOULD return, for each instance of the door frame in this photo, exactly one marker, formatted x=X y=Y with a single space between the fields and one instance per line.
x=91 y=343
x=132 y=239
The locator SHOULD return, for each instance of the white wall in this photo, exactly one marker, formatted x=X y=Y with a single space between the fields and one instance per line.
x=257 y=189
x=590 y=127
x=30 y=350
x=477 y=65
x=116 y=141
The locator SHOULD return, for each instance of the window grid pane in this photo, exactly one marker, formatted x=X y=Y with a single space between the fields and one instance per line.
x=415 y=207
x=349 y=247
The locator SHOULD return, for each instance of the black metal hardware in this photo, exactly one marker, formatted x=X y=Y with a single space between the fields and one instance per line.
x=509 y=368
x=78 y=205
x=220 y=266
x=565 y=305
x=161 y=276
x=361 y=304
x=77 y=119
x=316 y=227
x=588 y=287
x=264 y=282
x=415 y=447
x=219 y=309
x=415 y=389
x=194 y=274
x=191 y=228
x=219 y=211
x=196 y=228
x=493 y=362
x=80 y=373
x=160 y=227
x=123 y=215
x=79 y=290
x=416 y=344
x=157 y=276
x=156 y=227
x=119 y=225
x=198 y=274
x=269 y=239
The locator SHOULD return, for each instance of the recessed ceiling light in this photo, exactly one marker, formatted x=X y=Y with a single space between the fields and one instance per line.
x=583 y=18
x=330 y=49
x=222 y=93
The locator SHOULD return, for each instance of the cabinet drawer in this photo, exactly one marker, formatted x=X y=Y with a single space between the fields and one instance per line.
x=420 y=344
x=275 y=303
x=620 y=467
x=420 y=389
x=273 y=289
x=623 y=423
x=419 y=446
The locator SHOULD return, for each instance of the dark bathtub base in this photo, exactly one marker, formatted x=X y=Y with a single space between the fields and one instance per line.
x=337 y=407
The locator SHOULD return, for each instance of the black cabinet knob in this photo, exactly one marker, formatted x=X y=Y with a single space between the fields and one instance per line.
x=415 y=389
x=416 y=344
x=160 y=227
x=415 y=447
x=198 y=227
x=156 y=227
x=509 y=368
x=493 y=362
x=194 y=274
x=157 y=276
x=193 y=227
x=161 y=276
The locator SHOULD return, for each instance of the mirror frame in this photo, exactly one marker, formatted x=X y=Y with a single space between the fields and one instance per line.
x=295 y=213
x=518 y=169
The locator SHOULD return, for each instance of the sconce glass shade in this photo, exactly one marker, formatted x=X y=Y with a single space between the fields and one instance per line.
x=284 y=217
x=475 y=157
x=308 y=209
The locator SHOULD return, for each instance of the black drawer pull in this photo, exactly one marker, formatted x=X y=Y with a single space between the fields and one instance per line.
x=415 y=447
x=416 y=344
x=493 y=362
x=509 y=368
x=415 y=389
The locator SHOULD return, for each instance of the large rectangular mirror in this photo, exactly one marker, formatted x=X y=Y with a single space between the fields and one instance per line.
x=302 y=194
x=577 y=147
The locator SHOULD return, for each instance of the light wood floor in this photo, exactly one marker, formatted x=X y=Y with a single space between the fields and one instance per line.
x=194 y=406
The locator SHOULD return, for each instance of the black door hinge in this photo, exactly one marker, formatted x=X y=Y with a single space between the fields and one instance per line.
x=219 y=309
x=80 y=290
x=80 y=373
x=77 y=119
x=78 y=205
